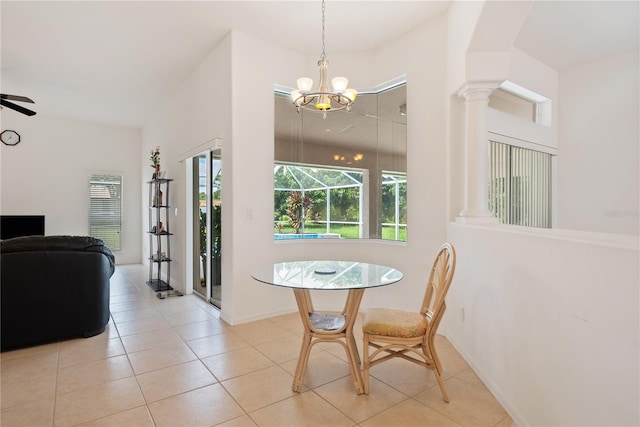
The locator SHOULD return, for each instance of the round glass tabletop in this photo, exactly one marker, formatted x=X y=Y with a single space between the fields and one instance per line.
x=327 y=275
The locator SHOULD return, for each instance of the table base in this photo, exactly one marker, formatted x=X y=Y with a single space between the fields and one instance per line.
x=342 y=334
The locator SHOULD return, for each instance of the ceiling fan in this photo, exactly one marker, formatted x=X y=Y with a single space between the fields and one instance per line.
x=4 y=101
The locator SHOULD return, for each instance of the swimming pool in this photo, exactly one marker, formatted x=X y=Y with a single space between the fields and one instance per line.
x=277 y=236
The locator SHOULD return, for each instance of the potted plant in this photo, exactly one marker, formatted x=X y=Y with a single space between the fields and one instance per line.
x=155 y=162
x=216 y=243
x=203 y=246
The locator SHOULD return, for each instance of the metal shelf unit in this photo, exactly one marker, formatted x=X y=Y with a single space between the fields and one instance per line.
x=160 y=238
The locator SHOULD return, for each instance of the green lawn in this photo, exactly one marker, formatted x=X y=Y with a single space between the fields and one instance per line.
x=389 y=233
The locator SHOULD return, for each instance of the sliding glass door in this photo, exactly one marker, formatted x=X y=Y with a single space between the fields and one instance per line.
x=207 y=226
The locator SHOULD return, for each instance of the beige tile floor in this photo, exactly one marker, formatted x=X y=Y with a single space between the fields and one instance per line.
x=173 y=363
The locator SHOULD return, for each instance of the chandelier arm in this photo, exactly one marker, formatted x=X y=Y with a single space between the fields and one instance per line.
x=307 y=98
x=313 y=109
x=340 y=99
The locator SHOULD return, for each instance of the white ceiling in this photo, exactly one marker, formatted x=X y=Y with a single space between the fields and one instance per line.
x=112 y=61
x=563 y=34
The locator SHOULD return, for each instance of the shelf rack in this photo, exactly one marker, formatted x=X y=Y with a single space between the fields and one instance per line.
x=160 y=238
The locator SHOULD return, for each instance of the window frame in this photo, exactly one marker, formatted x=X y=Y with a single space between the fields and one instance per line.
x=108 y=178
x=303 y=141
x=397 y=224
x=278 y=165
x=519 y=144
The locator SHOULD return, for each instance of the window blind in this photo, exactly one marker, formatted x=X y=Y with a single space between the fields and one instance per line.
x=105 y=209
x=520 y=185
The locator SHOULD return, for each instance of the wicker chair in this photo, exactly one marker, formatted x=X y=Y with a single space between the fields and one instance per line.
x=394 y=333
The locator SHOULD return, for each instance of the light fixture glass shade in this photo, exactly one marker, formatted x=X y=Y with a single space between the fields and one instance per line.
x=339 y=83
x=351 y=94
x=295 y=94
x=305 y=84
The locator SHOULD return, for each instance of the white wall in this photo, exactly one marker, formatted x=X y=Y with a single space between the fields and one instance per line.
x=247 y=131
x=525 y=72
x=598 y=157
x=48 y=174
x=550 y=322
x=196 y=117
x=252 y=175
x=462 y=18
x=247 y=219
x=551 y=316
x=524 y=295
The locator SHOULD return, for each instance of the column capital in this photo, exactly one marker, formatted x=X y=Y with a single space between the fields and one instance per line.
x=483 y=89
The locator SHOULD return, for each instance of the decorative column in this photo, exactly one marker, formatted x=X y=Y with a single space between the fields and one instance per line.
x=476 y=164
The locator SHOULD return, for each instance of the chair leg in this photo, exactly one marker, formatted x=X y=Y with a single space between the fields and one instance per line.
x=433 y=359
x=445 y=396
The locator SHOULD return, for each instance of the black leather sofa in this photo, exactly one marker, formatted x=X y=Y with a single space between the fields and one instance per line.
x=52 y=288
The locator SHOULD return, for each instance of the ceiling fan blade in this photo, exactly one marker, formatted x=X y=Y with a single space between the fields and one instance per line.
x=16 y=107
x=16 y=98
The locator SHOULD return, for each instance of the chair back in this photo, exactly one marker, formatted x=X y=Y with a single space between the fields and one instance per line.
x=433 y=304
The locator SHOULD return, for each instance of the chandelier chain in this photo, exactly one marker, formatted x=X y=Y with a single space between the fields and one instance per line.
x=323 y=56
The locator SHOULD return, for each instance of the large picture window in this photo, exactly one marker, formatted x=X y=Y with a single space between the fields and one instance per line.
x=316 y=202
x=105 y=209
x=394 y=206
x=343 y=176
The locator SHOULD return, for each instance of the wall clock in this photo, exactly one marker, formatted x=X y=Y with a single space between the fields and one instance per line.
x=10 y=137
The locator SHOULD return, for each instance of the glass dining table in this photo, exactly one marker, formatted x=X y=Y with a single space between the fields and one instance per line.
x=306 y=276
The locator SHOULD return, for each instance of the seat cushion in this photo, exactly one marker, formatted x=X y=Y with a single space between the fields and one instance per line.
x=394 y=323
x=327 y=321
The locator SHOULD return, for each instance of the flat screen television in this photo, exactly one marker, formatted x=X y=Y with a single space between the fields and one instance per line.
x=21 y=225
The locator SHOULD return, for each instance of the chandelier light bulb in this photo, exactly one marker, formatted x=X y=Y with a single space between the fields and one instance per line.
x=295 y=94
x=339 y=84
x=305 y=84
x=351 y=94
x=324 y=102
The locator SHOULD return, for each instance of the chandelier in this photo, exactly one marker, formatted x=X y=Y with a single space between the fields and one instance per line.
x=320 y=99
